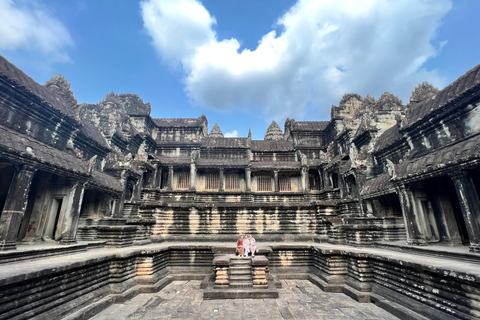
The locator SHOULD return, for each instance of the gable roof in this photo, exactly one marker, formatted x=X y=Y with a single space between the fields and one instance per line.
x=271 y=145
x=22 y=81
x=461 y=88
x=310 y=125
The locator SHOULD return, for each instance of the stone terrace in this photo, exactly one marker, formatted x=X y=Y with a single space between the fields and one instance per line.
x=299 y=299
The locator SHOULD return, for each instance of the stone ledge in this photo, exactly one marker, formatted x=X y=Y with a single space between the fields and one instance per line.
x=211 y=294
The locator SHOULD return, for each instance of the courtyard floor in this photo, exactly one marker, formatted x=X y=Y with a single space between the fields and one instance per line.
x=299 y=299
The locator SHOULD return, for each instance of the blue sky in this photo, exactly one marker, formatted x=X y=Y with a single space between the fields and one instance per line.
x=242 y=63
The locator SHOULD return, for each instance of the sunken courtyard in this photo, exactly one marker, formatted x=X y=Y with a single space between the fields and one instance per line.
x=102 y=206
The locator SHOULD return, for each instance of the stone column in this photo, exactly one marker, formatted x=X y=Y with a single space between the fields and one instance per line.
x=193 y=176
x=248 y=179
x=72 y=216
x=170 y=178
x=307 y=181
x=275 y=180
x=414 y=234
x=137 y=188
x=470 y=205
x=321 y=180
x=158 y=181
x=220 y=180
x=14 y=208
x=303 y=174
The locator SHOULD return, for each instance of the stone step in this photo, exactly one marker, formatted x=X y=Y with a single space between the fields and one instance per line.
x=241 y=261
x=240 y=278
x=240 y=271
x=240 y=285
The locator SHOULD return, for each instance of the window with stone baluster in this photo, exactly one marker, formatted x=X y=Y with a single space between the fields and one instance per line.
x=183 y=180
x=211 y=181
x=264 y=183
x=285 y=183
x=232 y=181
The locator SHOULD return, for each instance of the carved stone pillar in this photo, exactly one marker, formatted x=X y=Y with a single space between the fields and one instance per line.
x=193 y=176
x=14 y=208
x=415 y=236
x=170 y=178
x=307 y=180
x=248 y=179
x=470 y=205
x=220 y=180
x=72 y=216
x=158 y=180
x=275 y=180
x=304 y=173
x=321 y=180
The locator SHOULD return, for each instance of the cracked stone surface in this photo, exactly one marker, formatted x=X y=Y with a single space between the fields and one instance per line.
x=299 y=299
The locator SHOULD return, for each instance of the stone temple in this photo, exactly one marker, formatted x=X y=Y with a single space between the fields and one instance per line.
x=101 y=202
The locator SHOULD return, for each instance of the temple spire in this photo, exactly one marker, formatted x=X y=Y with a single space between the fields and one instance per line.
x=216 y=132
x=274 y=132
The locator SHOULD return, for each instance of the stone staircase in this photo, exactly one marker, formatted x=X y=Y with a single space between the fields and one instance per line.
x=241 y=273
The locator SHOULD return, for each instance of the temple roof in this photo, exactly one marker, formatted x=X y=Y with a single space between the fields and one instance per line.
x=26 y=146
x=276 y=165
x=272 y=145
x=387 y=138
x=309 y=125
x=232 y=163
x=225 y=143
x=177 y=122
x=450 y=155
x=105 y=182
x=90 y=131
x=22 y=81
x=459 y=89
x=377 y=186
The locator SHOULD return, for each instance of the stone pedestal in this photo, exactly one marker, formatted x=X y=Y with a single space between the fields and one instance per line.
x=221 y=267
x=259 y=272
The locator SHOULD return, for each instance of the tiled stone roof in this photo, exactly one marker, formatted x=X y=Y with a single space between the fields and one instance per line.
x=388 y=138
x=90 y=131
x=271 y=145
x=310 y=125
x=21 y=81
x=277 y=165
x=174 y=160
x=377 y=186
x=177 y=122
x=224 y=143
x=445 y=157
x=237 y=163
x=25 y=146
x=105 y=181
x=467 y=84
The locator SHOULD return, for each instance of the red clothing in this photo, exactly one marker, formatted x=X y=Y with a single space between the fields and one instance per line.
x=240 y=247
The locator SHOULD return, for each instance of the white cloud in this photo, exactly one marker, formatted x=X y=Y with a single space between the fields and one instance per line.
x=29 y=27
x=232 y=134
x=326 y=48
x=178 y=28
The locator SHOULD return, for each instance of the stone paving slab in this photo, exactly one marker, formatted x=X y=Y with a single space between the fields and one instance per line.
x=299 y=299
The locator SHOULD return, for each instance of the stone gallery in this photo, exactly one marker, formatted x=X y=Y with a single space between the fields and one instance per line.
x=101 y=202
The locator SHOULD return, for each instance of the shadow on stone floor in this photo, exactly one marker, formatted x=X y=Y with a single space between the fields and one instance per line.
x=299 y=299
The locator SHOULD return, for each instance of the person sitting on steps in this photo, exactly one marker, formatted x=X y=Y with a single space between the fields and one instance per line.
x=253 y=245
x=246 y=245
x=240 y=247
